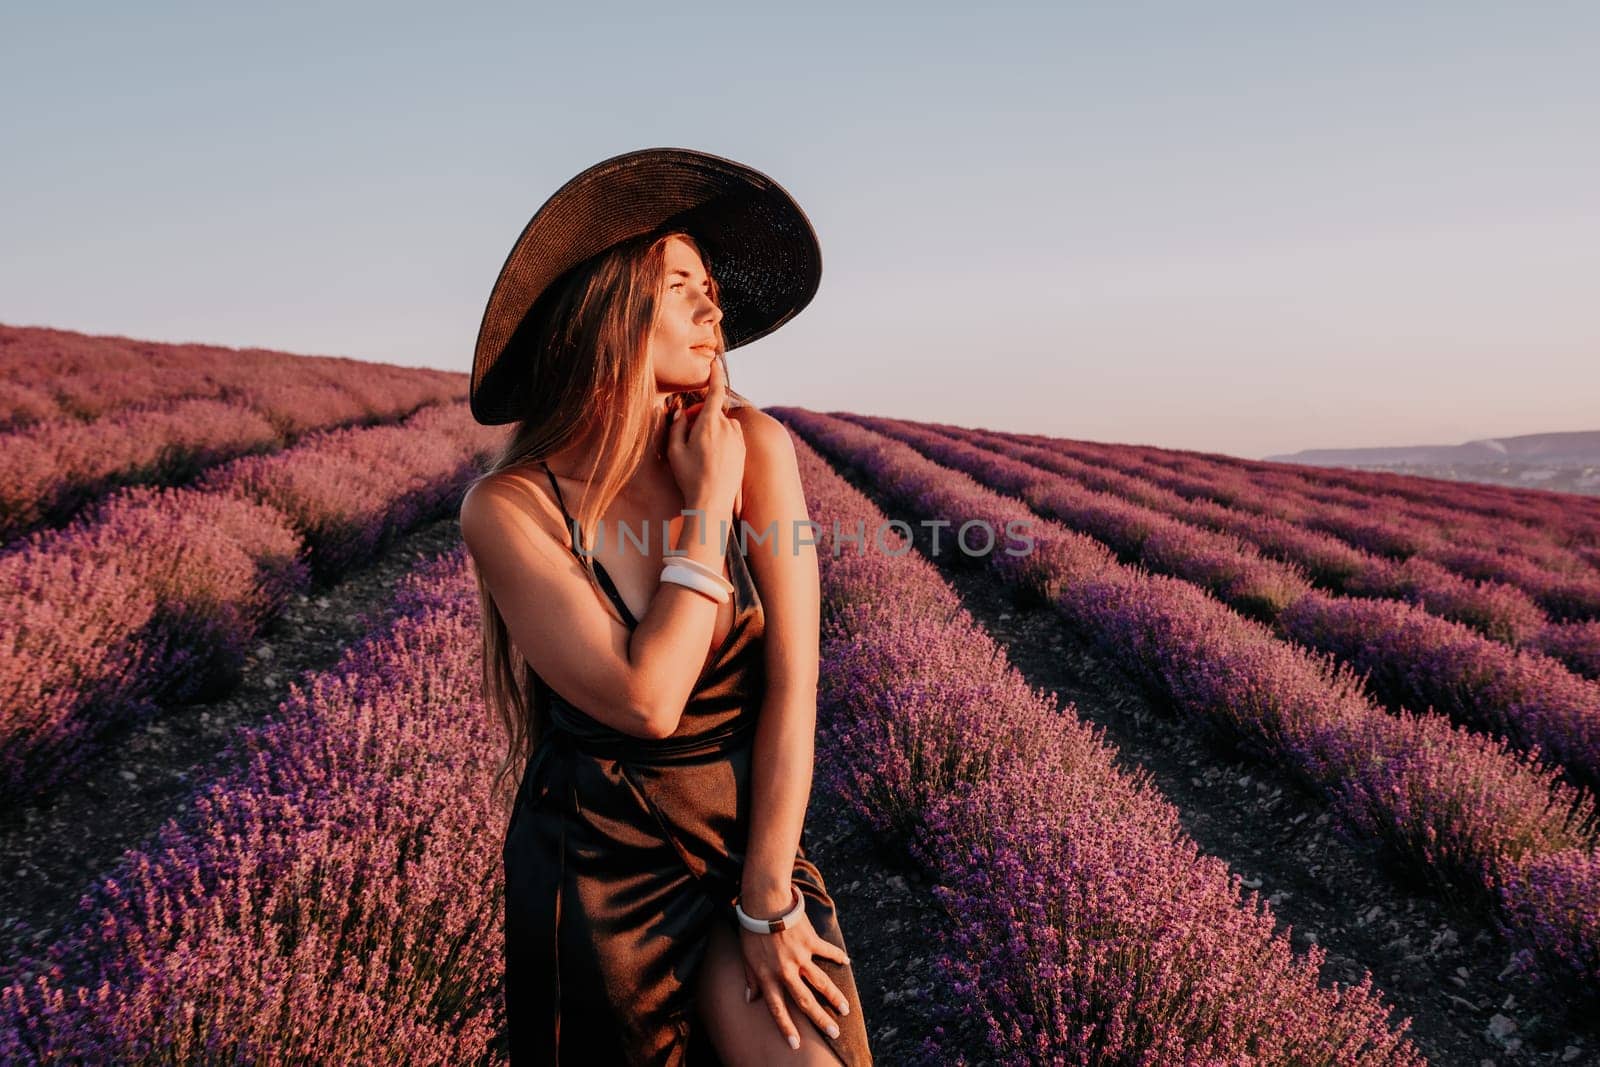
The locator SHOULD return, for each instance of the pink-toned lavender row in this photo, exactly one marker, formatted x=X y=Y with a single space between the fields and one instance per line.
x=1570 y=519
x=143 y=413
x=155 y=595
x=1500 y=611
x=50 y=471
x=1576 y=517
x=1462 y=810
x=335 y=900
x=1560 y=581
x=350 y=491
x=1544 y=559
x=1496 y=609
x=1409 y=525
x=1083 y=924
x=1577 y=644
x=1410 y=658
x=1537 y=555
x=50 y=374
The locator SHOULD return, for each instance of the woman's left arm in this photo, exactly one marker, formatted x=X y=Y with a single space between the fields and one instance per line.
x=774 y=506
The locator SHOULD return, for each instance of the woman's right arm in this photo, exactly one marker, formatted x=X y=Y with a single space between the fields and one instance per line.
x=635 y=681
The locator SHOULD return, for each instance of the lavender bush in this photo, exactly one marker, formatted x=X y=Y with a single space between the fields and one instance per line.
x=334 y=901
x=1084 y=927
x=1460 y=809
x=1410 y=657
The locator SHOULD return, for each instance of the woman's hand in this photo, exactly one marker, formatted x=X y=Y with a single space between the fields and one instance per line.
x=705 y=449
x=782 y=962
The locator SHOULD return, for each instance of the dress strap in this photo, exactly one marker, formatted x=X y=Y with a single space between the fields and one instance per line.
x=573 y=530
x=571 y=523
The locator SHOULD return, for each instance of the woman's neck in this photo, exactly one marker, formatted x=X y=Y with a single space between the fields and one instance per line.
x=573 y=462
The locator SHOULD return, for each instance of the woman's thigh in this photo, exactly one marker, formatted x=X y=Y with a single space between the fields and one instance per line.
x=747 y=1033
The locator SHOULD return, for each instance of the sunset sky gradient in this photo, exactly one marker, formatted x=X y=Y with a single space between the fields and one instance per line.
x=1246 y=228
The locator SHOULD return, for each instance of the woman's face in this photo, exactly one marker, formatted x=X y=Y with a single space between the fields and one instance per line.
x=684 y=340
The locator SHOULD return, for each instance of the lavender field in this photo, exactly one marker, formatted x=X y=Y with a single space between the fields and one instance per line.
x=1172 y=758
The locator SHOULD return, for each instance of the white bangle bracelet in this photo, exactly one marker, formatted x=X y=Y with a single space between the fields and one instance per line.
x=692 y=579
x=682 y=560
x=772 y=926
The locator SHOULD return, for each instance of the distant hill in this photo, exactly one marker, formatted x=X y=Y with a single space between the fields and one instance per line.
x=1566 y=462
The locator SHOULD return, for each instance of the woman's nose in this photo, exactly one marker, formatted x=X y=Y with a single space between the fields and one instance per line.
x=711 y=312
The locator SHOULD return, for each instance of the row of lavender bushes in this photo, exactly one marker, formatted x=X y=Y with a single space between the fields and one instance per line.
x=48 y=374
x=1561 y=582
x=1410 y=658
x=53 y=468
x=1084 y=925
x=1501 y=611
x=1541 y=547
x=1566 y=519
x=335 y=900
x=154 y=597
x=1545 y=534
x=1495 y=608
x=1462 y=811
x=1543 y=555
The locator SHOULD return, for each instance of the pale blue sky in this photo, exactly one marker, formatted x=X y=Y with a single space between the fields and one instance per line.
x=1248 y=228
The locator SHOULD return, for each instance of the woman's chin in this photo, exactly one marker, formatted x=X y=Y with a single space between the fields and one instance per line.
x=683 y=383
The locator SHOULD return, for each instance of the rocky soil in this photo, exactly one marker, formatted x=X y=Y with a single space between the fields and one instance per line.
x=1444 y=969
x=53 y=849
x=1441 y=966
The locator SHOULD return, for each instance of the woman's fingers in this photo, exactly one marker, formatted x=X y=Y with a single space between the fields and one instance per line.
x=808 y=1002
x=719 y=383
x=780 y=1012
x=825 y=985
x=716 y=395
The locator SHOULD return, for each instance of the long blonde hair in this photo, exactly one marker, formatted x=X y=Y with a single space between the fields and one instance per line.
x=585 y=346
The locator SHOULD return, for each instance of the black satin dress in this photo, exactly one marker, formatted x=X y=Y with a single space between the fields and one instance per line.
x=622 y=852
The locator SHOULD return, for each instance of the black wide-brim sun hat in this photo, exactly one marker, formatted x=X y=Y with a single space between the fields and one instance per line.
x=760 y=248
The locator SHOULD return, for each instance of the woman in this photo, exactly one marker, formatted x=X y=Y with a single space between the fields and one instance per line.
x=660 y=907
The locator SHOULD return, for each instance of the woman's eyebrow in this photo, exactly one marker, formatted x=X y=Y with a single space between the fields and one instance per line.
x=682 y=273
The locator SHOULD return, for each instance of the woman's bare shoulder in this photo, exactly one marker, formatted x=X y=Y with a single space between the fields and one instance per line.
x=509 y=496
x=768 y=447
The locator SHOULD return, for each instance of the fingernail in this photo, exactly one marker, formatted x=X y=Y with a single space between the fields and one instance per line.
x=794 y=1042
x=747 y=994
x=844 y=1007
x=833 y=1031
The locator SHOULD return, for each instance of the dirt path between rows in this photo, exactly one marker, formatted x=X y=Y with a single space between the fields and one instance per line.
x=59 y=845
x=56 y=847
x=1438 y=965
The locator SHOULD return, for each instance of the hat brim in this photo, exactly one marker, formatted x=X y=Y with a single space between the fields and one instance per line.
x=761 y=249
